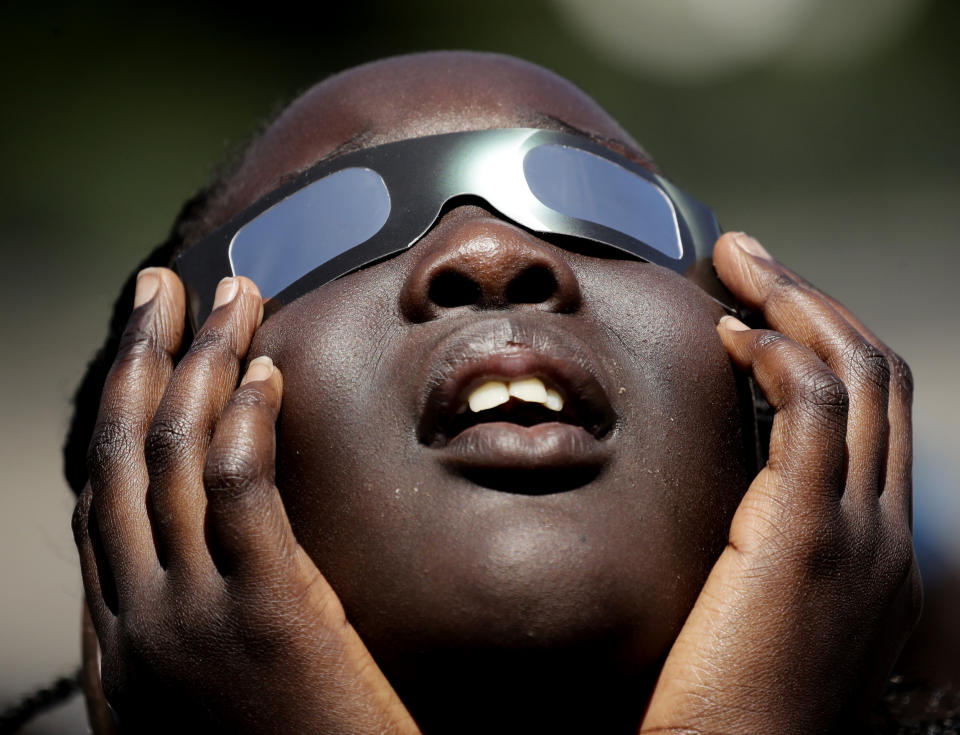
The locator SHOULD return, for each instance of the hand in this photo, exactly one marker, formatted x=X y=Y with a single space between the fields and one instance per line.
x=807 y=608
x=209 y=614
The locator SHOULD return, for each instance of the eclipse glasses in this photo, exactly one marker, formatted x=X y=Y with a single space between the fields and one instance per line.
x=366 y=205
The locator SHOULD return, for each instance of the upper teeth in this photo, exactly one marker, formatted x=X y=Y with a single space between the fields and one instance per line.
x=496 y=392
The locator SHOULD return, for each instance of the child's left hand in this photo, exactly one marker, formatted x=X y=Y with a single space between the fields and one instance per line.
x=807 y=608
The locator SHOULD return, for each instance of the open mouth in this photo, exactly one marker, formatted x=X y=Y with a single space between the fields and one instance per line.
x=524 y=401
x=508 y=400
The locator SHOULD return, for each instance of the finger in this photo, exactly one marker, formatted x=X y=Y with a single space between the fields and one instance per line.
x=98 y=711
x=897 y=496
x=802 y=313
x=247 y=522
x=807 y=440
x=253 y=541
x=896 y=485
x=131 y=393
x=176 y=444
x=98 y=584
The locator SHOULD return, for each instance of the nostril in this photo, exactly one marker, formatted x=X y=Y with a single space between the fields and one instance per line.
x=449 y=289
x=534 y=285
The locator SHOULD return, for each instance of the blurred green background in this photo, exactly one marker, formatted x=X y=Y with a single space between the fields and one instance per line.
x=828 y=130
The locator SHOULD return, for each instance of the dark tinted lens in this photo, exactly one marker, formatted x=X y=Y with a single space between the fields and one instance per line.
x=585 y=186
x=310 y=227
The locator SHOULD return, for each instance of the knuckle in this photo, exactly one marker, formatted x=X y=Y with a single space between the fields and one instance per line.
x=230 y=470
x=901 y=376
x=788 y=289
x=823 y=392
x=110 y=443
x=80 y=517
x=868 y=364
x=141 y=643
x=155 y=625
x=818 y=546
x=824 y=560
x=899 y=557
x=138 y=343
x=825 y=552
x=903 y=573
x=214 y=339
x=784 y=285
x=165 y=442
x=809 y=381
x=136 y=640
x=773 y=344
x=250 y=397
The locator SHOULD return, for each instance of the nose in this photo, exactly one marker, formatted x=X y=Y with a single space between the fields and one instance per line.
x=473 y=259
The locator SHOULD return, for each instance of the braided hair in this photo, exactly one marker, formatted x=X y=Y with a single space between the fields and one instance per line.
x=39 y=701
x=86 y=399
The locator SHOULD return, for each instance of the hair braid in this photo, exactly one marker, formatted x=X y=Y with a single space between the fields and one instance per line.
x=39 y=701
x=86 y=400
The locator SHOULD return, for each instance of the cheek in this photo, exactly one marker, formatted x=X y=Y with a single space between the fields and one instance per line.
x=332 y=339
x=340 y=434
x=686 y=408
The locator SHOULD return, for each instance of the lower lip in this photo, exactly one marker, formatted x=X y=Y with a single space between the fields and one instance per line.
x=502 y=445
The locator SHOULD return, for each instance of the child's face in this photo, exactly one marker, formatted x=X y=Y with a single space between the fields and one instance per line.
x=503 y=537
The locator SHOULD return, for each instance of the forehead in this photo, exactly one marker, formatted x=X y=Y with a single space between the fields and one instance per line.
x=409 y=97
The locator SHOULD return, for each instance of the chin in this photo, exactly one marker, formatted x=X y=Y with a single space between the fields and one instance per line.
x=576 y=683
x=537 y=632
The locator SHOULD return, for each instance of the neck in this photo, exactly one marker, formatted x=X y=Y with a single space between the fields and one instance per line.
x=523 y=691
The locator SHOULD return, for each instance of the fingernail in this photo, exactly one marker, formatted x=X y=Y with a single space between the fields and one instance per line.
x=226 y=290
x=259 y=369
x=733 y=324
x=751 y=245
x=148 y=283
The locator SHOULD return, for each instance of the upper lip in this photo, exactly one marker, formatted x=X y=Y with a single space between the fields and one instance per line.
x=506 y=349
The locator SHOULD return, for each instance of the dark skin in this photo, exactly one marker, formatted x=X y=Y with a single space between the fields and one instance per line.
x=354 y=569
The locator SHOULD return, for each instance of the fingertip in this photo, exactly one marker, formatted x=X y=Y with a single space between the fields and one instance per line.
x=235 y=315
x=725 y=243
x=163 y=282
x=731 y=323
x=728 y=261
x=260 y=369
x=157 y=317
x=227 y=290
x=731 y=332
x=248 y=287
x=740 y=263
x=148 y=283
x=750 y=245
x=738 y=339
x=173 y=286
x=253 y=301
x=231 y=286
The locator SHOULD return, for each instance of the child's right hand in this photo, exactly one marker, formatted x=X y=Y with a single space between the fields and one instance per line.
x=209 y=614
